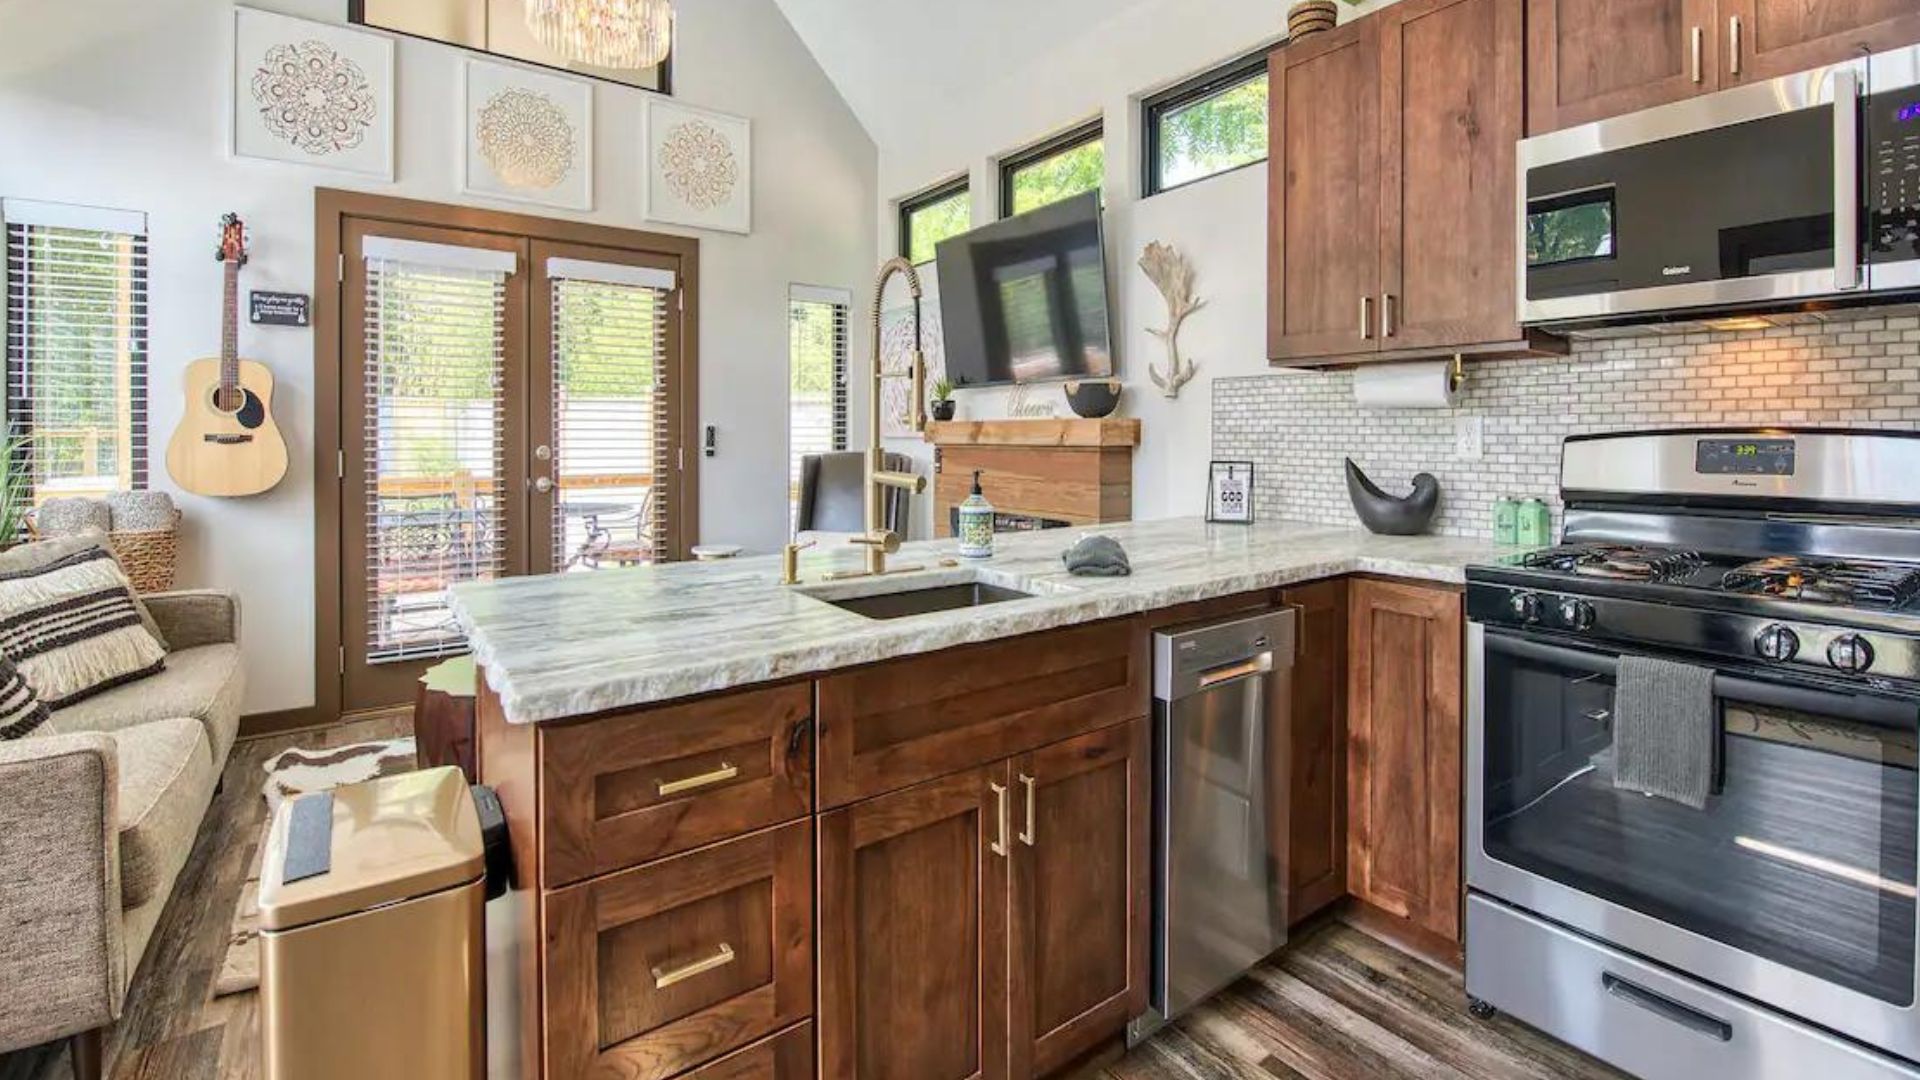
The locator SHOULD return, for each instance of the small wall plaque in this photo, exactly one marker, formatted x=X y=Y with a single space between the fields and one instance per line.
x=1230 y=492
x=276 y=308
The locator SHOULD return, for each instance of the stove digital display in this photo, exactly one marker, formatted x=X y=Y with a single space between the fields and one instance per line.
x=1743 y=457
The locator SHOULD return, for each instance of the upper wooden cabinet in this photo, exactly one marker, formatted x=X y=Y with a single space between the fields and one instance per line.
x=1590 y=59
x=1391 y=187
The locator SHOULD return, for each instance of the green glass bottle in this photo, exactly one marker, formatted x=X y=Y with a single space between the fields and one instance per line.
x=1535 y=527
x=1506 y=520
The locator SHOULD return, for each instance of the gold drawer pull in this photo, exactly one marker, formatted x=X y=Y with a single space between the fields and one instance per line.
x=1028 y=836
x=663 y=978
x=689 y=783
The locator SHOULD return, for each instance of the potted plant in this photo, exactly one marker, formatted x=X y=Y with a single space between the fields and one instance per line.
x=15 y=499
x=943 y=406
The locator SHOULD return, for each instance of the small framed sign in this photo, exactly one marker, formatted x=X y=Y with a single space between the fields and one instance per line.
x=276 y=308
x=1230 y=492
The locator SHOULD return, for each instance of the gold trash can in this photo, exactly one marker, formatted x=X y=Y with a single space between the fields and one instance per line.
x=372 y=951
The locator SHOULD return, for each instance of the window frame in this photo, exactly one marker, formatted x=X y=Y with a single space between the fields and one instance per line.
x=840 y=420
x=1210 y=83
x=913 y=204
x=1093 y=130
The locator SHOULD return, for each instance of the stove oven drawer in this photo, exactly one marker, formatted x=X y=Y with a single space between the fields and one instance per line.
x=1642 y=1018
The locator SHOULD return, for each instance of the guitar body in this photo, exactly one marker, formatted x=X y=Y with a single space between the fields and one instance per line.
x=231 y=451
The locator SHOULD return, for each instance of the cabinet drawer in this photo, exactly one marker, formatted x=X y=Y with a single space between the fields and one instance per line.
x=895 y=724
x=623 y=790
x=786 y=1056
x=657 y=969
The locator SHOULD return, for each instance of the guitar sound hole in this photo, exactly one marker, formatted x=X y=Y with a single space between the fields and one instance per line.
x=243 y=405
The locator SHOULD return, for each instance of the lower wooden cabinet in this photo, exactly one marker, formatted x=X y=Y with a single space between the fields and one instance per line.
x=991 y=923
x=654 y=970
x=1403 y=755
x=786 y=1056
x=1316 y=823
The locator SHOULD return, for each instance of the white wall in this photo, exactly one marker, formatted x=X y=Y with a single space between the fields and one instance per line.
x=1104 y=67
x=121 y=103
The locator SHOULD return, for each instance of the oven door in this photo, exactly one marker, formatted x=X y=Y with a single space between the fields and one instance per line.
x=1795 y=884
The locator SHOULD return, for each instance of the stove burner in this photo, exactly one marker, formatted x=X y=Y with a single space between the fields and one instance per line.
x=1620 y=562
x=1827 y=581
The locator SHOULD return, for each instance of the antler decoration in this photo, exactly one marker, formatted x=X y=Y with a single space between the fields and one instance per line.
x=1172 y=274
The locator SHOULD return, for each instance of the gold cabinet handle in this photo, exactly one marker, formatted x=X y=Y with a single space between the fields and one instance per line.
x=1386 y=315
x=663 y=977
x=999 y=847
x=1366 y=318
x=1027 y=836
x=1733 y=41
x=1699 y=43
x=726 y=771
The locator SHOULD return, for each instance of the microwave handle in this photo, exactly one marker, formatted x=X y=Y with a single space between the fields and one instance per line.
x=1846 y=179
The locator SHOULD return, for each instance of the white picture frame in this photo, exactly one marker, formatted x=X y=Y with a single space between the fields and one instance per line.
x=347 y=124
x=525 y=135
x=698 y=166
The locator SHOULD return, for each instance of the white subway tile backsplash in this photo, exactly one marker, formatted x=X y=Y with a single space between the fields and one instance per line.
x=1297 y=426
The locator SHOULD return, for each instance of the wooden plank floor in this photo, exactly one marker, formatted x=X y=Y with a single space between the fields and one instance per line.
x=1338 y=1006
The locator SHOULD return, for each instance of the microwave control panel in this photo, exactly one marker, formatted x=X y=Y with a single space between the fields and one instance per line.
x=1893 y=175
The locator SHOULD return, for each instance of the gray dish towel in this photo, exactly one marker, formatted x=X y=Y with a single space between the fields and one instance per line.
x=1097 y=556
x=1663 y=729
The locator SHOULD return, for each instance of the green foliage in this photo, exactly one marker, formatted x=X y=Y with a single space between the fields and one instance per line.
x=1214 y=134
x=928 y=225
x=16 y=488
x=605 y=340
x=942 y=388
x=1065 y=174
x=810 y=342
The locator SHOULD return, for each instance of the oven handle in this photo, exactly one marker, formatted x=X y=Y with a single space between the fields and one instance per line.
x=1863 y=708
x=1846 y=179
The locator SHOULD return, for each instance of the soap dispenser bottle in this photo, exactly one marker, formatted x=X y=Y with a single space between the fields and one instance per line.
x=975 y=525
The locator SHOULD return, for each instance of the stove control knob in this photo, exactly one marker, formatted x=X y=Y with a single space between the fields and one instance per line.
x=1851 y=653
x=1525 y=607
x=1776 y=643
x=1576 y=614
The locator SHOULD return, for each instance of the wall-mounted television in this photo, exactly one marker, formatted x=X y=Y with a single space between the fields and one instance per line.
x=1025 y=299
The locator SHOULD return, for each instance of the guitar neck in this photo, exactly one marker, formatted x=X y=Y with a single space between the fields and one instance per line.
x=230 y=329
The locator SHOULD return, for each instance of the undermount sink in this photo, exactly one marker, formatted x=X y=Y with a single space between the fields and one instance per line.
x=922 y=601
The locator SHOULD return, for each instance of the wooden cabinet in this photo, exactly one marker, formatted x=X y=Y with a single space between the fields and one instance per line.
x=1080 y=895
x=1391 y=187
x=1588 y=59
x=662 y=967
x=1769 y=38
x=786 y=1056
x=1316 y=824
x=1403 y=755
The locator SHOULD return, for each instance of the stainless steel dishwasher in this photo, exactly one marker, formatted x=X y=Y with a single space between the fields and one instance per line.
x=1221 y=710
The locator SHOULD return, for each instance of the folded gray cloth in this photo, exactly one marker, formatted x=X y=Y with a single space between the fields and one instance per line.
x=1097 y=556
x=1664 y=729
x=72 y=516
x=140 y=511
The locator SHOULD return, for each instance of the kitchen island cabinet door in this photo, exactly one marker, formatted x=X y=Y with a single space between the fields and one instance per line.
x=1451 y=87
x=1781 y=37
x=1316 y=818
x=913 y=932
x=1078 y=968
x=1591 y=59
x=1404 y=754
x=1323 y=195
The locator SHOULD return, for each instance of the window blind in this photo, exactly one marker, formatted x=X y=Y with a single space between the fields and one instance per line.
x=612 y=415
x=433 y=448
x=816 y=377
x=76 y=363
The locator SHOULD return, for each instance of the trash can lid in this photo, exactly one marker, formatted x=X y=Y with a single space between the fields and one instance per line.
x=393 y=838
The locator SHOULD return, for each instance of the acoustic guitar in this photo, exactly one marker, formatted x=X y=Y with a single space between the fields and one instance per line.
x=227 y=443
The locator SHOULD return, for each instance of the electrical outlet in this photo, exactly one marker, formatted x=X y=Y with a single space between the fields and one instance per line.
x=1470 y=438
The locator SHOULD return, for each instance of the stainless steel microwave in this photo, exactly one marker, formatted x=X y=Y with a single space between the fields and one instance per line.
x=1795 y=192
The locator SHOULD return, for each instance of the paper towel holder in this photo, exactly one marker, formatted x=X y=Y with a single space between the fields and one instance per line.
x=1459 y=376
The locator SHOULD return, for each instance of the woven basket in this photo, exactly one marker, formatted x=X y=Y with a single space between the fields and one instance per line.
x=149 y=556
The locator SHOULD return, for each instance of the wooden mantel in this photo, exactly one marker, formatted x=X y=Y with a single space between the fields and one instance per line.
x=1073 y=470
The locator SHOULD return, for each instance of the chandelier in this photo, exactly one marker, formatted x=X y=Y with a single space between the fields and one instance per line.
x=625 y=34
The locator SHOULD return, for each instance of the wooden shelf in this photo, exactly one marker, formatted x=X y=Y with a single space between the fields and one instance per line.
x=1071 y=432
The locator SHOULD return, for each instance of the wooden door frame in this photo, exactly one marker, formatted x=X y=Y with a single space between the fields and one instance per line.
x=332 y=208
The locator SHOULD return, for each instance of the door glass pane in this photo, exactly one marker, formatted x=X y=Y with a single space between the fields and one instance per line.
x=611 y=423
x=434 y=418
x=816 y=385
x=1803 y=855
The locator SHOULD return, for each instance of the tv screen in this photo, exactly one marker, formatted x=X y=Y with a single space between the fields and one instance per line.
x=1025 y=299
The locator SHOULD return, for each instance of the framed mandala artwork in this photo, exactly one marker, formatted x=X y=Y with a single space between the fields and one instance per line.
x=527 y=136
x=311 y=94
x=699 y=167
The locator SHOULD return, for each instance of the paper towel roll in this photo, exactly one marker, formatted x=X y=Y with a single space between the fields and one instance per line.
x=1425 y=385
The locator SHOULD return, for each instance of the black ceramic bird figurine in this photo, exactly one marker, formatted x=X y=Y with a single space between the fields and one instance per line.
x=1383 y=513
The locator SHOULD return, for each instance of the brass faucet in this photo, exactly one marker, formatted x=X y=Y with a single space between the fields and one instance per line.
x=879 y=540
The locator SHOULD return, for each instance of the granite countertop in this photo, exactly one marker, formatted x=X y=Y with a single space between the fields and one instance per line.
x=561 y=645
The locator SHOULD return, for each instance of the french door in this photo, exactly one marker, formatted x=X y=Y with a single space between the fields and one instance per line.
x=508 y=404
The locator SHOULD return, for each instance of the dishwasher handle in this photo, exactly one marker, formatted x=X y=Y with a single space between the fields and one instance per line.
x=1226 y=673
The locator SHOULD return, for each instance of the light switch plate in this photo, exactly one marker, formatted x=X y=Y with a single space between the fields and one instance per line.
x=1470 y=438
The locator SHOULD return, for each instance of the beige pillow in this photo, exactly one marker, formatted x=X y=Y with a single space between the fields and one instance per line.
x=39 y=553
x=71 y=628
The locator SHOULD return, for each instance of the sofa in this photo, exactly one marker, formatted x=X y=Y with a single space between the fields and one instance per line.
x=99 y=808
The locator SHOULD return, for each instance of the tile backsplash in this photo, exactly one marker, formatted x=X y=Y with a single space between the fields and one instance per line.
x=1297 y=426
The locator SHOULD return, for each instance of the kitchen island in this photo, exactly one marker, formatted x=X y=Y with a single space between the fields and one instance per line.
x=758 y=834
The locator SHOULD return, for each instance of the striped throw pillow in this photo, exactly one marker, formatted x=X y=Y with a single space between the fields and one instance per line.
x=72 y=628
x=21 y=710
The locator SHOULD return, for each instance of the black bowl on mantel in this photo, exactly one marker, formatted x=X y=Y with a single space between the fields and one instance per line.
x=1391 y=515
x=1093 y=398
